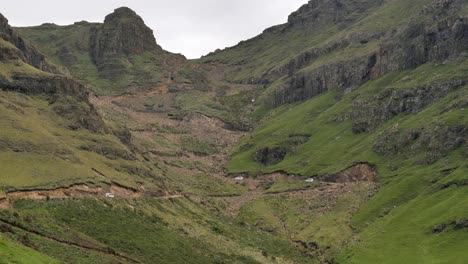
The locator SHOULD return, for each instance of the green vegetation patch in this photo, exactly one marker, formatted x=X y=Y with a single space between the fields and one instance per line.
x=199 y=147
x=172 y=231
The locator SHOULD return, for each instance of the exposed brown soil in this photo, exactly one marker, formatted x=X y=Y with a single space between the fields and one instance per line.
x=4 y=204
x=78 y=191
x=330 y=187
x=146 y=125
x=356 y=173
x=75 y=191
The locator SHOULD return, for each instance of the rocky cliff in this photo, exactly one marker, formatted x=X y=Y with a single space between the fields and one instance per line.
x=435 y=35
x=25 y=51
x=318 y=13
x=123 y=34
x=27 y=71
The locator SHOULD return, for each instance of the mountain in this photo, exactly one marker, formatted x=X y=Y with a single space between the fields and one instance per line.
x=384 y=90
x=50 y=125
x=337 y=137
x=77 y=168
x=113 y=57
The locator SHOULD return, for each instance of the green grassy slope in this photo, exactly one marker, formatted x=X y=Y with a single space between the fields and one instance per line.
x=42 y=142
x=172 y=231
x=12 y=252
x=38 y=149
x=412 y=199
x=406 y=234
x=332 y=145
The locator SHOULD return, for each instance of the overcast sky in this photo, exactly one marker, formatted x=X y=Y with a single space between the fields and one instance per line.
x=190 y=27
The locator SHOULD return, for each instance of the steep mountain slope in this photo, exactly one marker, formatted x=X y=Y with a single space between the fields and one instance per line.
x=116 y=56
x=318 y=28
x=387 y=90
x=49 y=125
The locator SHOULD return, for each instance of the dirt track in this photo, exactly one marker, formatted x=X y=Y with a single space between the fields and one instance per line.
x=77 y=191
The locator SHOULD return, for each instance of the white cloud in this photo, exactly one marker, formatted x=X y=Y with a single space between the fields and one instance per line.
x=190 y=27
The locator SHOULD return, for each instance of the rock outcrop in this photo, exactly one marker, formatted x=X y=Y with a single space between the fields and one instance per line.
x=341 y=75
x=319 y=12
x=437 y=34
x=26 y=52
x=357 y=173
x=68 y=97
x=434 y=141
x=369 y=113
x=270 y=156
x=122 y=35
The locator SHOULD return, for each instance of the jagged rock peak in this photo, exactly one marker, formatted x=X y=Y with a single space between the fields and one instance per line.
x=124 y=32
x=123 y=13
x=3 y=22
x=5 y=29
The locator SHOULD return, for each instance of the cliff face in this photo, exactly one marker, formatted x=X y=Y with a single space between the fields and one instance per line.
x=320 y=12
x=25 y=52
x=369 y=113
x=27 y=71
x=436 y=35
x=123 y=34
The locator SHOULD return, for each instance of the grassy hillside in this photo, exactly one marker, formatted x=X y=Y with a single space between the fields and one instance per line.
x=319 y=140
x=318 y=134
x=276 y=47
x=11 y=252
x=39 y=151
x=430 y=228
x=51 y=135
x=166 y=231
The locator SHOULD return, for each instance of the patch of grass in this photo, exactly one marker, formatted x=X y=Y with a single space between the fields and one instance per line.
x=198 y=146
x=166 y=144
x=13 y=252
x=7 y=44
x=315 y=219
x=203 y=184
x=8 y=69
x=175 y=231
x=464 y=10
x=354 y=51
x=199 y=102
x=408 y=229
